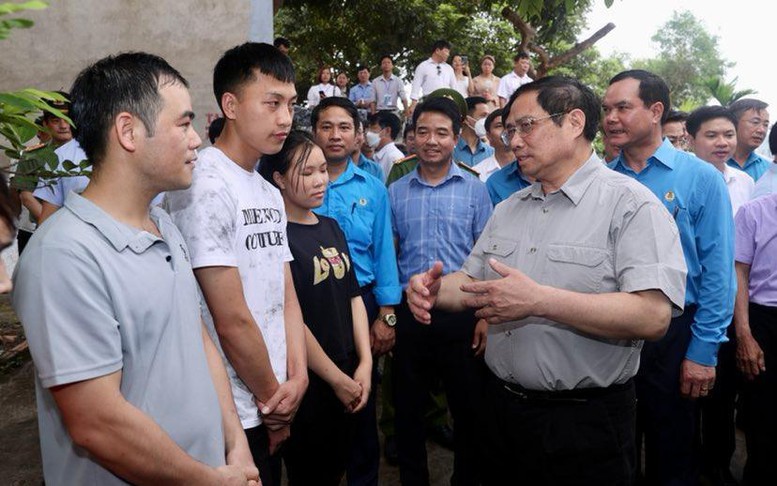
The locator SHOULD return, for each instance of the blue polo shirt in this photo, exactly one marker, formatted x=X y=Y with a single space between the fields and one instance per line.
x=359 y=203
x=361 y=92
x=506 y=181
x=462 y=153
x=755 y=165
x=695 y=194
x=437 y=222
x=371 y=167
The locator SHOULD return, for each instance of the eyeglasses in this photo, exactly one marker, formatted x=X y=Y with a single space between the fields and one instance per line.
x=439 y=70
x=756 y=122
x=524 y=126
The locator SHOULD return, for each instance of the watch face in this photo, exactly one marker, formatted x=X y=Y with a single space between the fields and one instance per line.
x=390 y=320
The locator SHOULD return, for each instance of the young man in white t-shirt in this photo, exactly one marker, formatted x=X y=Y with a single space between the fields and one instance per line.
x=235 y=225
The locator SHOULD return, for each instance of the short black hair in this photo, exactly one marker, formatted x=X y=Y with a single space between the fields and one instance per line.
x=440 y=104
x=282 y=41
x=773 y=140
x=362 y=67
x=561 y=94
x=652 y=88
x=493 y=116
x=520 y=55
x=707 y=113
x=473 y=102
x=675 y=116
x=742 y=105
x=126 y=82
x=387 y=119
x=386 y=56
x=238 y=66
x=408 y=128
x=441 y=44
x=336 y=101
x=293 y=155
x=215 y=128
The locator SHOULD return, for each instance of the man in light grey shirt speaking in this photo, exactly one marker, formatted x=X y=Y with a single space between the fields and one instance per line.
x=572 y=273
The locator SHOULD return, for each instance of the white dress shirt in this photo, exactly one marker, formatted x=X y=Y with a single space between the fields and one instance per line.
x=430 y=76
x=740 y=186
x=509 y=83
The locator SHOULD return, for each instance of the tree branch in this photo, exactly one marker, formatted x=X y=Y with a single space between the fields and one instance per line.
x=579 y=47
x=528 y=33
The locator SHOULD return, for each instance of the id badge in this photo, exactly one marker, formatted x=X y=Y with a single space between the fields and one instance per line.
x=386 y=100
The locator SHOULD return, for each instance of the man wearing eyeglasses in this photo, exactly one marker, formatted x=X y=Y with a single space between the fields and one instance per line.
x=432 y=74
x=563 y=275
x=752 y=126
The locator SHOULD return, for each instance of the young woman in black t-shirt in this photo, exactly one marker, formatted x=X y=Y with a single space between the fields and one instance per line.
x=336 y=334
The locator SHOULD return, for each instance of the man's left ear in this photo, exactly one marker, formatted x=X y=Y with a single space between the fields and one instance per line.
x=576 y=119
x=126 y=130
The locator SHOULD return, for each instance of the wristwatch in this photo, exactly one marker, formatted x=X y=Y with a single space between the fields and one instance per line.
x=389 y=319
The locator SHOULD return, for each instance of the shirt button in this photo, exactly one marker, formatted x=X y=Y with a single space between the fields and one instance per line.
x=532 y=250
x=545 y=210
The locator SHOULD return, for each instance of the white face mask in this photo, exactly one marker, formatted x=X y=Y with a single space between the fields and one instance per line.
x=373 y=139
x=480 y=128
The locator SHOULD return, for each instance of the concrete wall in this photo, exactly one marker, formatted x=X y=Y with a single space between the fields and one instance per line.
x=67 y=36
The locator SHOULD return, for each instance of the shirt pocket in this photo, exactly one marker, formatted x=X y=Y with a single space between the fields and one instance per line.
x=501 y=250
x=575 y=268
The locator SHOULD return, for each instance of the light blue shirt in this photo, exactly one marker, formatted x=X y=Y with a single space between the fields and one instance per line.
x=371 y=167
x=463 y=154
x=767 y=184
x=359 y=203
x=361 y=92
x=695 y=193
x=506 y=181
x=755 y=165
x=440 y=222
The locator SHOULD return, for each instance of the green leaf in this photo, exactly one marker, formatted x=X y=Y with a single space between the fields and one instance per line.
x=68 y=165
x=7 y=8
x=84 y=164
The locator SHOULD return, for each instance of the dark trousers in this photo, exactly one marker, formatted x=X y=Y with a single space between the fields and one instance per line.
x=22 y=237
x=269 y=465
x=364 y=456
x=422 y=354
x=666 y=419
x=321 y=434
x=557 y=439
x=718 y=430
x=759 y=402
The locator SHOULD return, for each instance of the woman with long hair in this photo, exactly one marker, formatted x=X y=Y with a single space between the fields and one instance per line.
x=336 y=333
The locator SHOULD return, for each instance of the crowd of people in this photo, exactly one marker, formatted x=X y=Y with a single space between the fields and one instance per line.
x=209 y=317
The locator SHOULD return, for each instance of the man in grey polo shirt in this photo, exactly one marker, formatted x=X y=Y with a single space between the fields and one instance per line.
x=130 y=387
x=593 y=267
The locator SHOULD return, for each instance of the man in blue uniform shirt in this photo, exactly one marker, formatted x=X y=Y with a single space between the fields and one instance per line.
x=681 y=366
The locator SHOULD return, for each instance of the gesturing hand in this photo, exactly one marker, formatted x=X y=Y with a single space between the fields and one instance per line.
x=510 y=298
x=422 y=290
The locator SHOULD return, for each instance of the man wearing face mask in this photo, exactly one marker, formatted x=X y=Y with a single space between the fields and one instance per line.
x=470 y=149
x=383 y=128
x=362 y=161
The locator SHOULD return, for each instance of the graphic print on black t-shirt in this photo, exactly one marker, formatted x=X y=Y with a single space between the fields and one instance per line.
x=332 y=261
